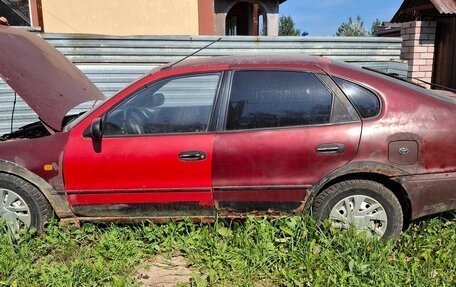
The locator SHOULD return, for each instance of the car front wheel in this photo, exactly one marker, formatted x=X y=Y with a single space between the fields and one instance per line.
x=366 y=205
x=22 y=205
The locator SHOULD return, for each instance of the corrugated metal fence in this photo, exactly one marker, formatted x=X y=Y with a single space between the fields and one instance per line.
x=113 y=62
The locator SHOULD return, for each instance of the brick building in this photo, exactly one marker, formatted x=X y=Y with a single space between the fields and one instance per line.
x=428 y=30
x=418 y=49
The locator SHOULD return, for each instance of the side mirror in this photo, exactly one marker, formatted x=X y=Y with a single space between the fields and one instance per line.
x=96 y=128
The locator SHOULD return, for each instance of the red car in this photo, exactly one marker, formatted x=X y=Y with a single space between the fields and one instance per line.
x=225 y=136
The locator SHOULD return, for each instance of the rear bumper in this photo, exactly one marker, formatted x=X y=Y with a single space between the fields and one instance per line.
x=430 y=193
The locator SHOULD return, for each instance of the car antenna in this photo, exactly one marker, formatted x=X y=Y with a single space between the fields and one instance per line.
x=192 y=54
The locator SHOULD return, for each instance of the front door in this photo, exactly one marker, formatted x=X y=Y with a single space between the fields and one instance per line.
x=284 y=131
x=155 y=156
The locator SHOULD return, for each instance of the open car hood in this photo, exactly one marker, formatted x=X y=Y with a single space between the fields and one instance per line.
x=47 y=81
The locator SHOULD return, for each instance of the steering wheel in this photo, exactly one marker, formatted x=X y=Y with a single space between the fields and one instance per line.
x=135 y=120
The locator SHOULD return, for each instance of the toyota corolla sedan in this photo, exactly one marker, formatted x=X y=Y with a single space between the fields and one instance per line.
x=226 y=137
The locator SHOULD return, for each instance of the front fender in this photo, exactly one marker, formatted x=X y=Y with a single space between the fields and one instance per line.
x=58 y=202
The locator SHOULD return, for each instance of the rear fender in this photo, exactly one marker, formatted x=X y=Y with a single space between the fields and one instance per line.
x=368 y=167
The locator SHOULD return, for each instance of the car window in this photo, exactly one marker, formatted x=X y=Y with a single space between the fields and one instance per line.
x=365 y=101
x=180 y=105
x=269 y=99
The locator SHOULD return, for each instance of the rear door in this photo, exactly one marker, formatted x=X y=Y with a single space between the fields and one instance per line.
x=155 y=156
x=284 y=131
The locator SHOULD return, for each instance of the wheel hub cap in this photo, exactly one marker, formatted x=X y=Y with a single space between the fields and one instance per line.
x=14 y=210
x=362 y=212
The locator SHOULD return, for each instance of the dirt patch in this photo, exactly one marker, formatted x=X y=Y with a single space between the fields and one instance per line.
x=164 y=272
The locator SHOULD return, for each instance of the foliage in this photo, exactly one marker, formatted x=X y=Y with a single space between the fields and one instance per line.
x=376 y=23
x=352 y=29
x=287 y=27
x=291 y=251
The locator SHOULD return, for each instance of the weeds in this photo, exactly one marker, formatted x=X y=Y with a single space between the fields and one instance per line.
x=257 y=252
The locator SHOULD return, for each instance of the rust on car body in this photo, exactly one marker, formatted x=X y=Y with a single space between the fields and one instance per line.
x=270 y=170
x=154 y=219
x=58 y=202
x=231 y=213
x=356 y=169
x=430 y=193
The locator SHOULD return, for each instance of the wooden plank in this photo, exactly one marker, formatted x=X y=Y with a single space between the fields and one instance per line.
x=444 y=72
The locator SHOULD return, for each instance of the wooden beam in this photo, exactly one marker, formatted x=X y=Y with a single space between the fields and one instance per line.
x=34 y=15
x=255 y=19
x=420 y=8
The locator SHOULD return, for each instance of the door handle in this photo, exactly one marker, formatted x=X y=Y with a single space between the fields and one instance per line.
x=331 y=149
x=192 y=155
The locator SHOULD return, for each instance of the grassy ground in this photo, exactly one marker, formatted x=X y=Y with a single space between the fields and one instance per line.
x=285 y=252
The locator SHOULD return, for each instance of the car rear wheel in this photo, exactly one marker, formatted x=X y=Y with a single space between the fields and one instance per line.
x=366 y=205
x=22 y=205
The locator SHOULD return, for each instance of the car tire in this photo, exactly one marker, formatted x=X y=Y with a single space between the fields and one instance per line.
x=368 y=205
x=22 y=204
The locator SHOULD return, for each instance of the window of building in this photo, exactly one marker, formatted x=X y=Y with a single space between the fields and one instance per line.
x=365 y=101
x=271 y=99
x=16 y=11
x=246 y=19
x=180 y=105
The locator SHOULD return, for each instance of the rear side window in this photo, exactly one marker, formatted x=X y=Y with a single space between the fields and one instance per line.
x=269 y=99
x=366 y=102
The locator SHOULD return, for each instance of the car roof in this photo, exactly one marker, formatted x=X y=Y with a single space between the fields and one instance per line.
x=254 y=61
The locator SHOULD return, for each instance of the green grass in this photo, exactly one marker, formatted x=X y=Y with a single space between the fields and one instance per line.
x=257 y=252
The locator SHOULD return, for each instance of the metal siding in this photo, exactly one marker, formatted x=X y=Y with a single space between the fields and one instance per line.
x=111 y=63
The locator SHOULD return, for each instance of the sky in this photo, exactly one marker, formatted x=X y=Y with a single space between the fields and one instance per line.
x=323 y=17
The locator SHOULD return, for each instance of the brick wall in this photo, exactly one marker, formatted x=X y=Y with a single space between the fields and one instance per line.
x=418 y=49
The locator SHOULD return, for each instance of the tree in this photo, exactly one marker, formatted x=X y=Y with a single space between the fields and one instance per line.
x=376 y=23
x=352 y=29
x=287 y=27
